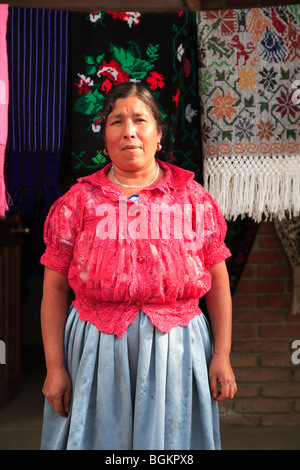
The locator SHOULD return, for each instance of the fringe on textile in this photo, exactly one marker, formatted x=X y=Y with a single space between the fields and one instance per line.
x=261 y=188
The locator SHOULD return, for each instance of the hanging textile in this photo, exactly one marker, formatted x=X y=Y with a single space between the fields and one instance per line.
x=288 y=231
x=249 y=63
x=37 y=41
x=158 y=49
x=4 y=93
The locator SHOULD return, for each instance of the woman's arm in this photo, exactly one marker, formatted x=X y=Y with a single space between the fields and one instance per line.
x=219 y=305
x=57 y=387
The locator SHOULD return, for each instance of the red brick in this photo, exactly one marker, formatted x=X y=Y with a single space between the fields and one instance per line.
x=275 y=271
x=286 y=390
x=241 y=301
x=276 y=360
x=265 y=257
x=270 y=242
x=297 y=405
x=289 y=419
x=244 y=331
x=261 y=375
x=242 y=361
x=247 y=286
x=296 y=375
x=249 y=271
x=241 y=420
x=293 y=318
x=275 y=301
x=257 y=316
x=289 y=285
x=257 y=346
x=247 y=390
x=280 y=331
x=263 y=405
x=266 y=228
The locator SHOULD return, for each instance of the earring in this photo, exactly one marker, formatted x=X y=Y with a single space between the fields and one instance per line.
x=158 y=148
x=105 y=151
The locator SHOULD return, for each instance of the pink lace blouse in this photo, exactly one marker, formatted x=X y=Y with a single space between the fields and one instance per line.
x=121 y=256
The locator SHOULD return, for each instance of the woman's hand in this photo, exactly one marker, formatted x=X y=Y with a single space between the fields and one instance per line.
x=58 y=390
x=221 y=377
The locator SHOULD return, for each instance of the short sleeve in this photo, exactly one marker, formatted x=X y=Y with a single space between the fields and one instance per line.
x=215 y=251
x=61 y=229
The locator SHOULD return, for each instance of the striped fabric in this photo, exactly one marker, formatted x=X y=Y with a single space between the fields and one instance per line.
x=37 y=47
x=38 y=51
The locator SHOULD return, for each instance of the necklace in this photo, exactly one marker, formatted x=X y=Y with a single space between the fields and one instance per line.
x=134 y=186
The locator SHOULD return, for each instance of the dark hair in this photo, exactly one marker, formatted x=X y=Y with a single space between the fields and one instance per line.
x=125 y=90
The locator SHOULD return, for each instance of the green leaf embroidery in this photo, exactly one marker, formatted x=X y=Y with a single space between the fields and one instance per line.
x=249 y=103
x=135 y=66
x=264 y=107
x=90 y=103
x=89 y=59
x=91 y=70
x=99 y=159
x=152 y=52
x=291 y=133
x=227 y=135
x=219 y=47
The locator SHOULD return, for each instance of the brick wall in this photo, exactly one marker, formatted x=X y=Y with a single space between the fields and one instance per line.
x=263 y=332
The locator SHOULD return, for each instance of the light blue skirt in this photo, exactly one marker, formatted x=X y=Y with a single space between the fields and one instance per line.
x=145 y=391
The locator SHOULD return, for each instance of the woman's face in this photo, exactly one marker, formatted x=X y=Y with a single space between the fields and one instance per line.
x=131 y=134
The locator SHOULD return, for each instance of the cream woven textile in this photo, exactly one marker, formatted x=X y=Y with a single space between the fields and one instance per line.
x=249 y=72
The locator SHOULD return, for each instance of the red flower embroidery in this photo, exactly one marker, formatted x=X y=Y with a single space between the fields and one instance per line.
x=187 y=67
x=228 y=20
x=286 y=105
x=106 y=86
x=176 y=97
x=131 y=17
x=155 y=80
x=113 y=71
x=84 y=84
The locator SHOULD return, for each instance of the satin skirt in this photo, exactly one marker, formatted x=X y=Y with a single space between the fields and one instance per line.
x=145 y=391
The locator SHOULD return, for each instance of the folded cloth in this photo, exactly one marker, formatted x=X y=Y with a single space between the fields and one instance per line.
x=4 y=93
x=249 y=62
x=37 y=42
x=158 y=49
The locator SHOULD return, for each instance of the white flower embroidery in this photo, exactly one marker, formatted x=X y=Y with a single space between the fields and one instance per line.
x=132 y=17
x=95 y=16
x=190 y=113
x=96 y=126
x=180 y=52
x=85 y=80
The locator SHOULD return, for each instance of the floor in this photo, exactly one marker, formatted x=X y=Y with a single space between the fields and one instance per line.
x=21 y=420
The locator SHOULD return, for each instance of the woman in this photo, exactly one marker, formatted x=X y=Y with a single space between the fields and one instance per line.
x=127 y=368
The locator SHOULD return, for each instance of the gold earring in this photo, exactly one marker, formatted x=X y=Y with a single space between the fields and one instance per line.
x=105 y=151
x=159 y=147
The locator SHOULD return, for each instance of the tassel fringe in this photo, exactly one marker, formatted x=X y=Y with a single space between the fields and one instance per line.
x=258 y=187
